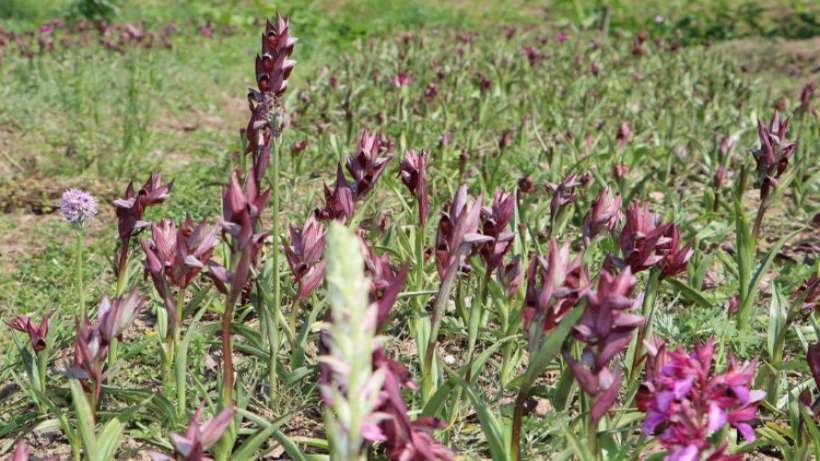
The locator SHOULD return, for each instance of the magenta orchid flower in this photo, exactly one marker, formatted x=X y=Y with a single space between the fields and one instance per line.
x=606 y=329
x=131 y=210
x=691 y=402
x=457 y=231
x=413 y=174
x=339 y=201
x=605 y=213
x=494 y=221
x=199 y=437
x=555 y=284
x=369 y=162
x=642 y=238
x=37 y=334
x=772 y=158
x=304 y=256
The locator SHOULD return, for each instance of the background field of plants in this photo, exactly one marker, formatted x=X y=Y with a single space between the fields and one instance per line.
x=161 y=85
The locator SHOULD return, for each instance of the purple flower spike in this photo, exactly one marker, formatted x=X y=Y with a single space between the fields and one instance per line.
x=199 y=437
x=114 y=318
x=642 y=239
x=772 y=158
x=676 y=257
x=304 y=256
x=401 y=80
x=413 y=173
x=691 y=402
x=36 y=333
x=77 y=206
x=457 y=230
x=606 y=328
x=494 y=221
x=563 y=193
x=554 y=286
x=604 y=214
x=369 y=162
x=339 y=203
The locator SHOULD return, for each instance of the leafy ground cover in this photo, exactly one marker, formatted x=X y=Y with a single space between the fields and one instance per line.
x=550 y=202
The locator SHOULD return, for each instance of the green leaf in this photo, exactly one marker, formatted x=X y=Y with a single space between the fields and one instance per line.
x=85 y=419
x=581 y=450
x=690 y=294
x=248 y=449
x=478 y=362
x=767 y=261
x=551 y=345
x=109 y=439
x=777 y=320
x=436 y=401
x=489 y=423
x=811 y=427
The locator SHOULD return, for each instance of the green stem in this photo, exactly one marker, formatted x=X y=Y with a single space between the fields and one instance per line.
x=647 y=311
x=42 y=365
x=277 y=291
x=476 y=312
x=179 y=363
x=428 y=386
x=592 y=437
x=78 y=270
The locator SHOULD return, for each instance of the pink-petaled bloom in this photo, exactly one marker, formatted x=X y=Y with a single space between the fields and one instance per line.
x=606 y=329
x=624 y=134
x=655 y=358
x=806 y=95
x=93 y=340
x=77 y=206
x=484 y=83
x=494 y=222
x=720 y=174
x=401 y=80
x=369 y=162
x=619 y=171
x=304 y=255
x=562 y=37
x=385 y=284
x=505 y=140
x=413 y=174
x=131 y=207
x=691 y=402
x=273 y=66
x=813 y=360
x=298 y=146
x=240 y=214
x=554 y=286
x=182 y=253
x=457 y=231
x=20 y=453
x=642 y=240
x=809 y=293
x=563 y=193
x=675 y=256
x=510 y=276
x=339 y=201
x=407 y=440
x=772 y=158
x=268 y=117
x=604 y=214
x=199 y=437
x=113 y=318
x=37 y=333
x=430 y=92
x=525 y=184
x=534 y=57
